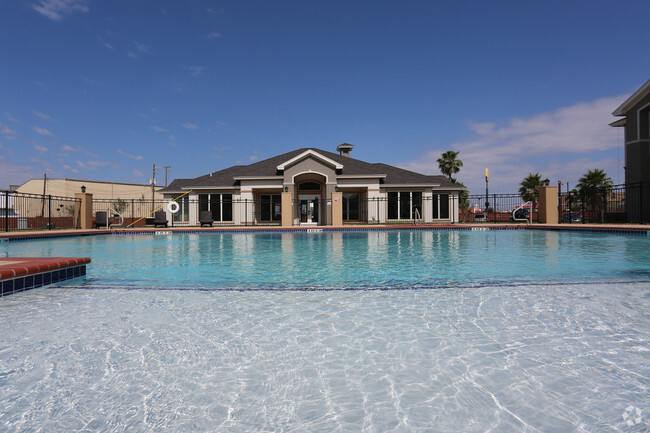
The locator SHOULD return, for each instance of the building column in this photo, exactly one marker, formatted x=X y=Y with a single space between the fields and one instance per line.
x=287 y=209
x=83 y=211
x=548 y=205
x=337 y=208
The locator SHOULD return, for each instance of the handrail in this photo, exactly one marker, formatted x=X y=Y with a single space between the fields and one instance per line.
x=527 y=220
x=113 y=214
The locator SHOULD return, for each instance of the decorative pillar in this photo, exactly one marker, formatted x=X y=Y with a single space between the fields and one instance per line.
x=83 y=211
x=337 y=208
x=548 y=205
x=287 y=209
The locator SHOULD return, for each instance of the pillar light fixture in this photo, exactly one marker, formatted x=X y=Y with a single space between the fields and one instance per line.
x=83 y=188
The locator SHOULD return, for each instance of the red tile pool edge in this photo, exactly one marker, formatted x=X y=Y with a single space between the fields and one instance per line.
x=23 y=273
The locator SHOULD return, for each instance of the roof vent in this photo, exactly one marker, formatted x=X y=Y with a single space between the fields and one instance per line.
x=345 y=149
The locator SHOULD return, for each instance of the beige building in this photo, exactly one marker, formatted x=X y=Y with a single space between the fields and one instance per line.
x=99 y=190
x=313 y=187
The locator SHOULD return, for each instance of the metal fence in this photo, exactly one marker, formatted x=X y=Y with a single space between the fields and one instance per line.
x=496 y=208
x=618 y=204
x=20 y=211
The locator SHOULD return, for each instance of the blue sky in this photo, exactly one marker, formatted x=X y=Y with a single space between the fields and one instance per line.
x=102 y=90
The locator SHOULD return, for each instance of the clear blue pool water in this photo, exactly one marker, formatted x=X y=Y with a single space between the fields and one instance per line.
x=469 y=331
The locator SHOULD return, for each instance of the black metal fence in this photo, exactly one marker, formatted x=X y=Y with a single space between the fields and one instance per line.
x=618 y=204
x=20 y=211
x=496 y=208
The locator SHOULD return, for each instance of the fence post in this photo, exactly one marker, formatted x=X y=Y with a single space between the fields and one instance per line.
x=132 y=205
x=7 y=211
x=245 y=212
x=641 y=218
x=49 y=212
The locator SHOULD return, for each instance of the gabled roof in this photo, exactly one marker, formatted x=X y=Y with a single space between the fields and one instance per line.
x=632 y=100
x=272 y=167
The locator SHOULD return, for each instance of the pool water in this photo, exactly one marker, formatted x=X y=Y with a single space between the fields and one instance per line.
x=340 y=260
x=454 y=331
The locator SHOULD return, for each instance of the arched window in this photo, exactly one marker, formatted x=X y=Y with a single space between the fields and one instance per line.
x=309 y=186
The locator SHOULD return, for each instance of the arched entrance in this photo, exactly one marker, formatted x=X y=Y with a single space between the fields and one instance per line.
x=310 y=201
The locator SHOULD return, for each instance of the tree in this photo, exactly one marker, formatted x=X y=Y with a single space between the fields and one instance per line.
x=119 y=205
x=463 y=198
x=529 y=192
x=449 y=164
x=593 y=187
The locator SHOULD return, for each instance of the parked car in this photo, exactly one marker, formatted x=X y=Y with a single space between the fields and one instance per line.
x=480 y=217
x=571 y=217
x=520 y=214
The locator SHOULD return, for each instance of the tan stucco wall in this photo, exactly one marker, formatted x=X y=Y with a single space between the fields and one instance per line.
x=548 y=205
x=337 y=208
x=100 y=190
x=287 y=211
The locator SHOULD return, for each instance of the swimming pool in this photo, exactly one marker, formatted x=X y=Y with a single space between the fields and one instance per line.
x=454 y=330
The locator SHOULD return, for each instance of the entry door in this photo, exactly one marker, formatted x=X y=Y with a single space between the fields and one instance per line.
x=309 y=209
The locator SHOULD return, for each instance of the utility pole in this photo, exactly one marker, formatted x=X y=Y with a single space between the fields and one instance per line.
x=166 y=167
x=43 y=202
x=153 y=188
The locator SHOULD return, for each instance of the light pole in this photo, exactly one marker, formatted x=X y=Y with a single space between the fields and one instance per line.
x=487 y=203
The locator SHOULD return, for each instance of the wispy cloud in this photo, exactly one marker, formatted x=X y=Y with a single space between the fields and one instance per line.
x=42 y=115
x=141 y=47
x=41 y=131
x=158 y=129
x=7 y=132
x=12 y=118
x=128 y=155
x=56 y=10
x=67 y=148
x=560 y=145
x=40 y=148
x=195 y=71
x=213 y=35
x=191 y=126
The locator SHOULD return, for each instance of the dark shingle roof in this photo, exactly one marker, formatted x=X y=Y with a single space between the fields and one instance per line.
x=268 y=167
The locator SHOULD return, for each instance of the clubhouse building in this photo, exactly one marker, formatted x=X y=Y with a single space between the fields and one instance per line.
x=313 y=187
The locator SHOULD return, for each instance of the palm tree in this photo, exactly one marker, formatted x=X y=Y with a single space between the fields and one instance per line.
x=449 y=164
x=528 y=190
x=593 y=187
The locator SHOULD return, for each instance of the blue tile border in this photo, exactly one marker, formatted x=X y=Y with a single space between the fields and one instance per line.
x=20 y=284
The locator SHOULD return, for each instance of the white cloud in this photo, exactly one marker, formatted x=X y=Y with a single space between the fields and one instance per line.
x=42 y=115
x=57 y=9
x=213 y=35
x=132 y=55
x=41 y=131
x=12 y=118
x=158 y=129
x=560 y=145
x=195 y=71
x=141 y=47
x=137 y=173
x=253 y=158
x=191 y=126
x=67 y=148
x=40 y=148
x=7 y=132
x=12 y=173
x=136 y=157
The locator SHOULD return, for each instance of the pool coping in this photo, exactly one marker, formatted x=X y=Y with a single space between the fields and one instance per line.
x=637 y=229
x=18 y=274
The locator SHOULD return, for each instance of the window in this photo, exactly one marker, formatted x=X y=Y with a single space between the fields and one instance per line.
x=351 y=206
x=440 y=206
x=183 y=214
x=270 y=207
x=309 y=186
x=219 y=204
x=403 y=205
